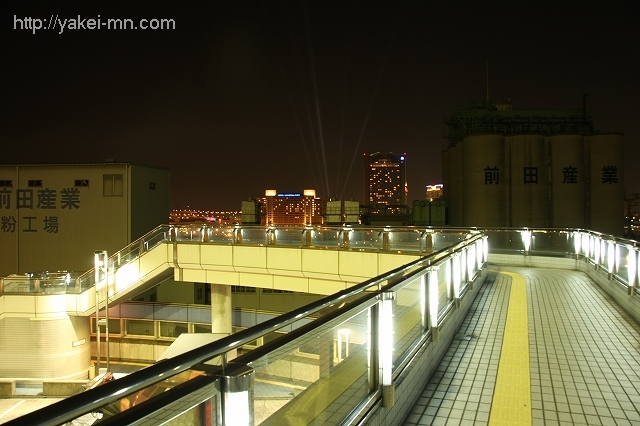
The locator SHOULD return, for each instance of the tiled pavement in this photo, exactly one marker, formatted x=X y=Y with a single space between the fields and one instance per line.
x=583 y=350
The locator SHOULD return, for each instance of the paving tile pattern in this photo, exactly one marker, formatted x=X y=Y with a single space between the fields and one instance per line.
x=584 y=356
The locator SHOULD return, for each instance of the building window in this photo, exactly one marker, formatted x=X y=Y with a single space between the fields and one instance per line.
x=35 y=183
x=139 y=328
x=172 y=329
x=242 y=289
x=112 y=185
x=6 y=183
x=152 y=185
x=82 y=182
x=271 y=291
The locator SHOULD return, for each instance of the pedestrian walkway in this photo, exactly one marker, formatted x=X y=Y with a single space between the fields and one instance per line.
x=583 y=350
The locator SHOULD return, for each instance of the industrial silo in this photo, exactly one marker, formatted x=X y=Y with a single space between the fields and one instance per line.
x=606 y=204
x=529 y=188
x=446 y=181
x=484 y=180
x=455 y=194
x=568 y=181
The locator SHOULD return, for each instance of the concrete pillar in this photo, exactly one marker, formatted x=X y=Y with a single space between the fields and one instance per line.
x=221 y=309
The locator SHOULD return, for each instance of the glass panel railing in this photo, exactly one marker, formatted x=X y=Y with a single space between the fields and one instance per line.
x=552 y=243
x=365 y=239
x=317 y=378
x=444 y=239
x=253 y=235
x=60 y=282
x=285 y=236
x=318 y=371
x=326 y=237
x=405 y=240
x=188 y=233
x=444 y=288
x=219 y=234
x=409 y=316
x=505 y=241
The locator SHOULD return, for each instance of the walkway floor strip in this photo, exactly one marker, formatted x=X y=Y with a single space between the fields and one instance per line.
x=12 y=408
x=512 y=395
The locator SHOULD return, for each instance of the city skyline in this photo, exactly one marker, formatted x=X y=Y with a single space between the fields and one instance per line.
x=290 y=95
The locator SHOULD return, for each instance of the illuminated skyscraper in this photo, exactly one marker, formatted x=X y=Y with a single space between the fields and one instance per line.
x=291 y=208
x=385 y=179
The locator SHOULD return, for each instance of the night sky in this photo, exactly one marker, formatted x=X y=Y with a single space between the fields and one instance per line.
x=246 y=96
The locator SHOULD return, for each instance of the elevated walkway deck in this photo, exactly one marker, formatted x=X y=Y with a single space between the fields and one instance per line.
x=582 y=365
x=466 y=336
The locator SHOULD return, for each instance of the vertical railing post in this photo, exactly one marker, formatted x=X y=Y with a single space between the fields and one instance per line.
x=374 y=344
x=424 y=301
x=429 y=243
x=632 y=272
x=237 y=387
x=385 y=240
x=433 y=303
x=346 y=238
x=205 y=233
x=385 y=347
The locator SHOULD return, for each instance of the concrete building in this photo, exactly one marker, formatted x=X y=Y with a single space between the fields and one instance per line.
x=385 y=179
x=434 y=191
x=55 y=215
x=532 y=169
x=284 y=208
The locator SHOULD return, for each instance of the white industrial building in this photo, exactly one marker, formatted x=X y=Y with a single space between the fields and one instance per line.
x=54 y=216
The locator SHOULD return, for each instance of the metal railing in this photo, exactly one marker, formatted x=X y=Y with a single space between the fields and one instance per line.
x=332 y=369
x=350 y=347
x=400 y=240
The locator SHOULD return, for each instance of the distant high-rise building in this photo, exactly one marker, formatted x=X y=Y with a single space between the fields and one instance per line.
x=385 y=180
x=286 y=208
x=434 y=191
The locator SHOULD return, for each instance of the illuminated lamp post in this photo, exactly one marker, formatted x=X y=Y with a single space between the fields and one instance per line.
x=100 y=260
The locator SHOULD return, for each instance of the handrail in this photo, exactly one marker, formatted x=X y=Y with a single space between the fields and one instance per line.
x=168 y=233
x=77 y=405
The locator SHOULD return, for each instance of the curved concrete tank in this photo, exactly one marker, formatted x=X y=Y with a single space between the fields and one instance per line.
x=455 y=179
x=446 y=181
x=483 y=180
x=65 y=344
x=606 y=206
x=529 y=189
x=568 y=181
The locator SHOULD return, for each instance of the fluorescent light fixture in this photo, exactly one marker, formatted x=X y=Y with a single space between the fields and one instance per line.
x=577 y=242
x=631 y=266
x=526 y=239
x=433 y=298
x=237 y=408
x=611 y=256
x=385 y=340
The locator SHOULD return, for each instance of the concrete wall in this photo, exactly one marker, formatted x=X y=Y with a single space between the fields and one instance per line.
x=150 y=194
x=44 y=347
x=578 y=181
x=68 y=211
